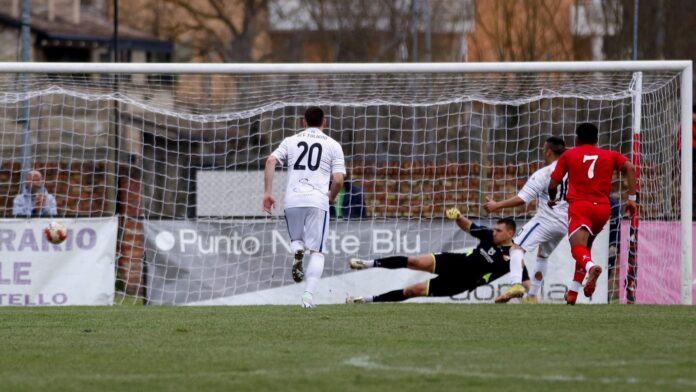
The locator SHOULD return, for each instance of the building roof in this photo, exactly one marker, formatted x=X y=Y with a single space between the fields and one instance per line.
x=91 y=29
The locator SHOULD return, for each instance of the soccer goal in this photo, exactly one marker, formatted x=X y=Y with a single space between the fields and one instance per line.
x=174 y=153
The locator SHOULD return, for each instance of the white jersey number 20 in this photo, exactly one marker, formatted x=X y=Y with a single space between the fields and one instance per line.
x=309 y=152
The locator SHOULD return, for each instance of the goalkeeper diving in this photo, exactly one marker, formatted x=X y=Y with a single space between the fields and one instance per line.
x=456 y=272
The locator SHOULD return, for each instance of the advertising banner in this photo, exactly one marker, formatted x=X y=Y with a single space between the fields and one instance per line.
x=218 y=262
x=79 y=271
x=659 y=262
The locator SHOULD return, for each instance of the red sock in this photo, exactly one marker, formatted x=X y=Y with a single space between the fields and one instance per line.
x=579 y=274
x=581 y=256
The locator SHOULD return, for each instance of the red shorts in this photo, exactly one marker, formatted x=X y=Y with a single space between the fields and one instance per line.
x=591 y=215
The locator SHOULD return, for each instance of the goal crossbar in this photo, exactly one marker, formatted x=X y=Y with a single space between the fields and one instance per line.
x=379 y=68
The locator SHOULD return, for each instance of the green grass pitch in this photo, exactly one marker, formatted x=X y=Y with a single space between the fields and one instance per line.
x=405 y=347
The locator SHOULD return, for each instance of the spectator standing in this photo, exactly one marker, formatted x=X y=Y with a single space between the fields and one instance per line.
x=349 y=202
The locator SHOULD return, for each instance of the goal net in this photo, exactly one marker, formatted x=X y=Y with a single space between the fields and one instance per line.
x=177 y=154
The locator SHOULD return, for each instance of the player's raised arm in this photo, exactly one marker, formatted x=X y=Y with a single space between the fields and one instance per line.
x=630 y=171
x=536 y=185
x=492 y=206
x=463 y=222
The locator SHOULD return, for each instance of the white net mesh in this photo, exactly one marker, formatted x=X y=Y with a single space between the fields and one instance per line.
x=182 y=155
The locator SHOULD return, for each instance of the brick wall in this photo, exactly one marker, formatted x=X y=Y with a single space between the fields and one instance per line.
x=417 y=189
x=131 y=244
x=80 y=188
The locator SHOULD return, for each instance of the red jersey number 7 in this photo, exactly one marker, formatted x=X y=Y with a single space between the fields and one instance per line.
x=590 y=170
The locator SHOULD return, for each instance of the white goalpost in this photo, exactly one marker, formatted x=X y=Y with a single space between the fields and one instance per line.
x=173 y=154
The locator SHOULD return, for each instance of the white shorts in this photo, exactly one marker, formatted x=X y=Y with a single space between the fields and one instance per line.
x=309 y=225
x=544 y=235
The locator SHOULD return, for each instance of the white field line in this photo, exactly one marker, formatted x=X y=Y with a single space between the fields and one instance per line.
x=364 y=362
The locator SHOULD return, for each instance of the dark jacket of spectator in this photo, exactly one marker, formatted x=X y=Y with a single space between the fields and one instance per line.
x=352 y=206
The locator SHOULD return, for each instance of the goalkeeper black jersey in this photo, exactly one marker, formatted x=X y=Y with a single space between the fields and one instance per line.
x=487 y=256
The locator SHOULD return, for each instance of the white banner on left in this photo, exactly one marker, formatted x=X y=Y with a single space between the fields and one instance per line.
x=80 y=271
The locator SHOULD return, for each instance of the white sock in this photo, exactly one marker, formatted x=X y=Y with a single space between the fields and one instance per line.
x=307 y=300
x=589 y=266
x=516 y=263
x=369 y=263
x=313 y=271
x=575 y=286
x=542 y=265
x=295 y=246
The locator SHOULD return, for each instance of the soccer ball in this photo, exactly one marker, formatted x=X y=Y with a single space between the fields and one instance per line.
x=55 y=233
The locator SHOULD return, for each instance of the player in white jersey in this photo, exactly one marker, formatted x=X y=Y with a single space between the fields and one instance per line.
x=316 y=169
x=548 y=227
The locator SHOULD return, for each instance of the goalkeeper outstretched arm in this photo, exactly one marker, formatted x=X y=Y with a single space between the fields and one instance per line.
x=463 y=222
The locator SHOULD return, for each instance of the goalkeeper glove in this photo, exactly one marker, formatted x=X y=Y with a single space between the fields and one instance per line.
x=452 y=213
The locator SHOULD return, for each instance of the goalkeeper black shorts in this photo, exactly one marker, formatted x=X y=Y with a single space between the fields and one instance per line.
x=458 y=273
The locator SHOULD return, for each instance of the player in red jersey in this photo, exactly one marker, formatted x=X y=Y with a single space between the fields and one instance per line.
x=590 y=170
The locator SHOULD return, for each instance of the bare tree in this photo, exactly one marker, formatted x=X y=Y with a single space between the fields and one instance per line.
x=367 y=30
x=303 y=30
x=523 y=30
x=664 y=31
x=227 y=29
x=331 y=30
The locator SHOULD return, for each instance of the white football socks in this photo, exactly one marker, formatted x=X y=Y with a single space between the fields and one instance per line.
x=295 y=246
x=516 y=265
x=542 y=265
x=313 y=271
